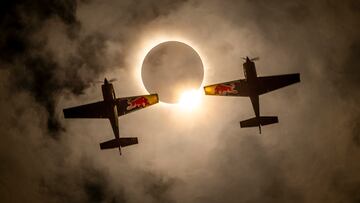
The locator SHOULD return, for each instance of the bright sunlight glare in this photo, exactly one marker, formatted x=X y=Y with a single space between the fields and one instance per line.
x=190 y=99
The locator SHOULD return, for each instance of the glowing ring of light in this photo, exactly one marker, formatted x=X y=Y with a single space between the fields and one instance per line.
x=146 y=45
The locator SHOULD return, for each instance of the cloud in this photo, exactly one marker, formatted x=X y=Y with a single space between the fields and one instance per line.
x=47 y=55
x=52 y=51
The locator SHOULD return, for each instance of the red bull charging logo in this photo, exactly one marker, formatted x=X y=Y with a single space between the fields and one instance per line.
x=137 y=102
x=222 y=89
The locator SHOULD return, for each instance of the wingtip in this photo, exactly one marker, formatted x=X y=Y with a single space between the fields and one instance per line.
x=65 y=113
x=209 y=90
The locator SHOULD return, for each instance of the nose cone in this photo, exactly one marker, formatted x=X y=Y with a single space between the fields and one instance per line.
x=106 y=81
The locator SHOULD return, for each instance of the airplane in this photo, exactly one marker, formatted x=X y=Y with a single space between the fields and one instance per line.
x=253 y=86
x=111 y=108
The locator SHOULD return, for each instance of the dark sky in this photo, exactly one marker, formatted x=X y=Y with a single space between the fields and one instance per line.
x=52 y=51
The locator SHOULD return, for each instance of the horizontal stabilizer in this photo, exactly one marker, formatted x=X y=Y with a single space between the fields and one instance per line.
x=122 y=142
x=114 y=143
x=266 y=120
x=263 y=120
x=126 y=141
x=252 y=122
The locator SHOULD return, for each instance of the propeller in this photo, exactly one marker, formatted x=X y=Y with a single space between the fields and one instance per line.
x=111 y=80
x=251 y=59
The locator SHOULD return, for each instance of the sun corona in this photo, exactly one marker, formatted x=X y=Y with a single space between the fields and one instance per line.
x=175 y=71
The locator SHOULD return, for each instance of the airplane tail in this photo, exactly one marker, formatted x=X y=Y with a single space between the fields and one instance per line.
x=263 y=120
x=118 y=143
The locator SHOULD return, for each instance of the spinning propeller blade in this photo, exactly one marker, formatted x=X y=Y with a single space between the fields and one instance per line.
x=251 y=59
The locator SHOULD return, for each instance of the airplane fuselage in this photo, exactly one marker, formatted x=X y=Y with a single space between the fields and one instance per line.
x=108 y=91
x=109 y=96
x=250 y=71
x=251 y=79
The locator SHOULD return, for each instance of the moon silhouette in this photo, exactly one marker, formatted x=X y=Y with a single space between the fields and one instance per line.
x=170 y=68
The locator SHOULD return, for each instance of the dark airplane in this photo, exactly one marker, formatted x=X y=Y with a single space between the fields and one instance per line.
x=253 y=86
x=110 y=108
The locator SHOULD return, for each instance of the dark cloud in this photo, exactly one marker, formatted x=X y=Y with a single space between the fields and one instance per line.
x=265 y=180
x=52 y=51
x=158 y=187
x=46 y=54
x=348 y=77
x=33 y=67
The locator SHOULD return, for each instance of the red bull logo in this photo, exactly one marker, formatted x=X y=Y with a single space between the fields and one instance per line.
x=222 y=89
x=137 y=102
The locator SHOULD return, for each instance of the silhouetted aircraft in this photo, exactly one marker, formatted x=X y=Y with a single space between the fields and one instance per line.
x=253 y=86
x=110 y=108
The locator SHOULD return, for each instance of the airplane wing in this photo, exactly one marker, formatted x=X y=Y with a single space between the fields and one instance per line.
x=129 y=104
x=93 y=110
x=232 y=88
x=270 y=83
